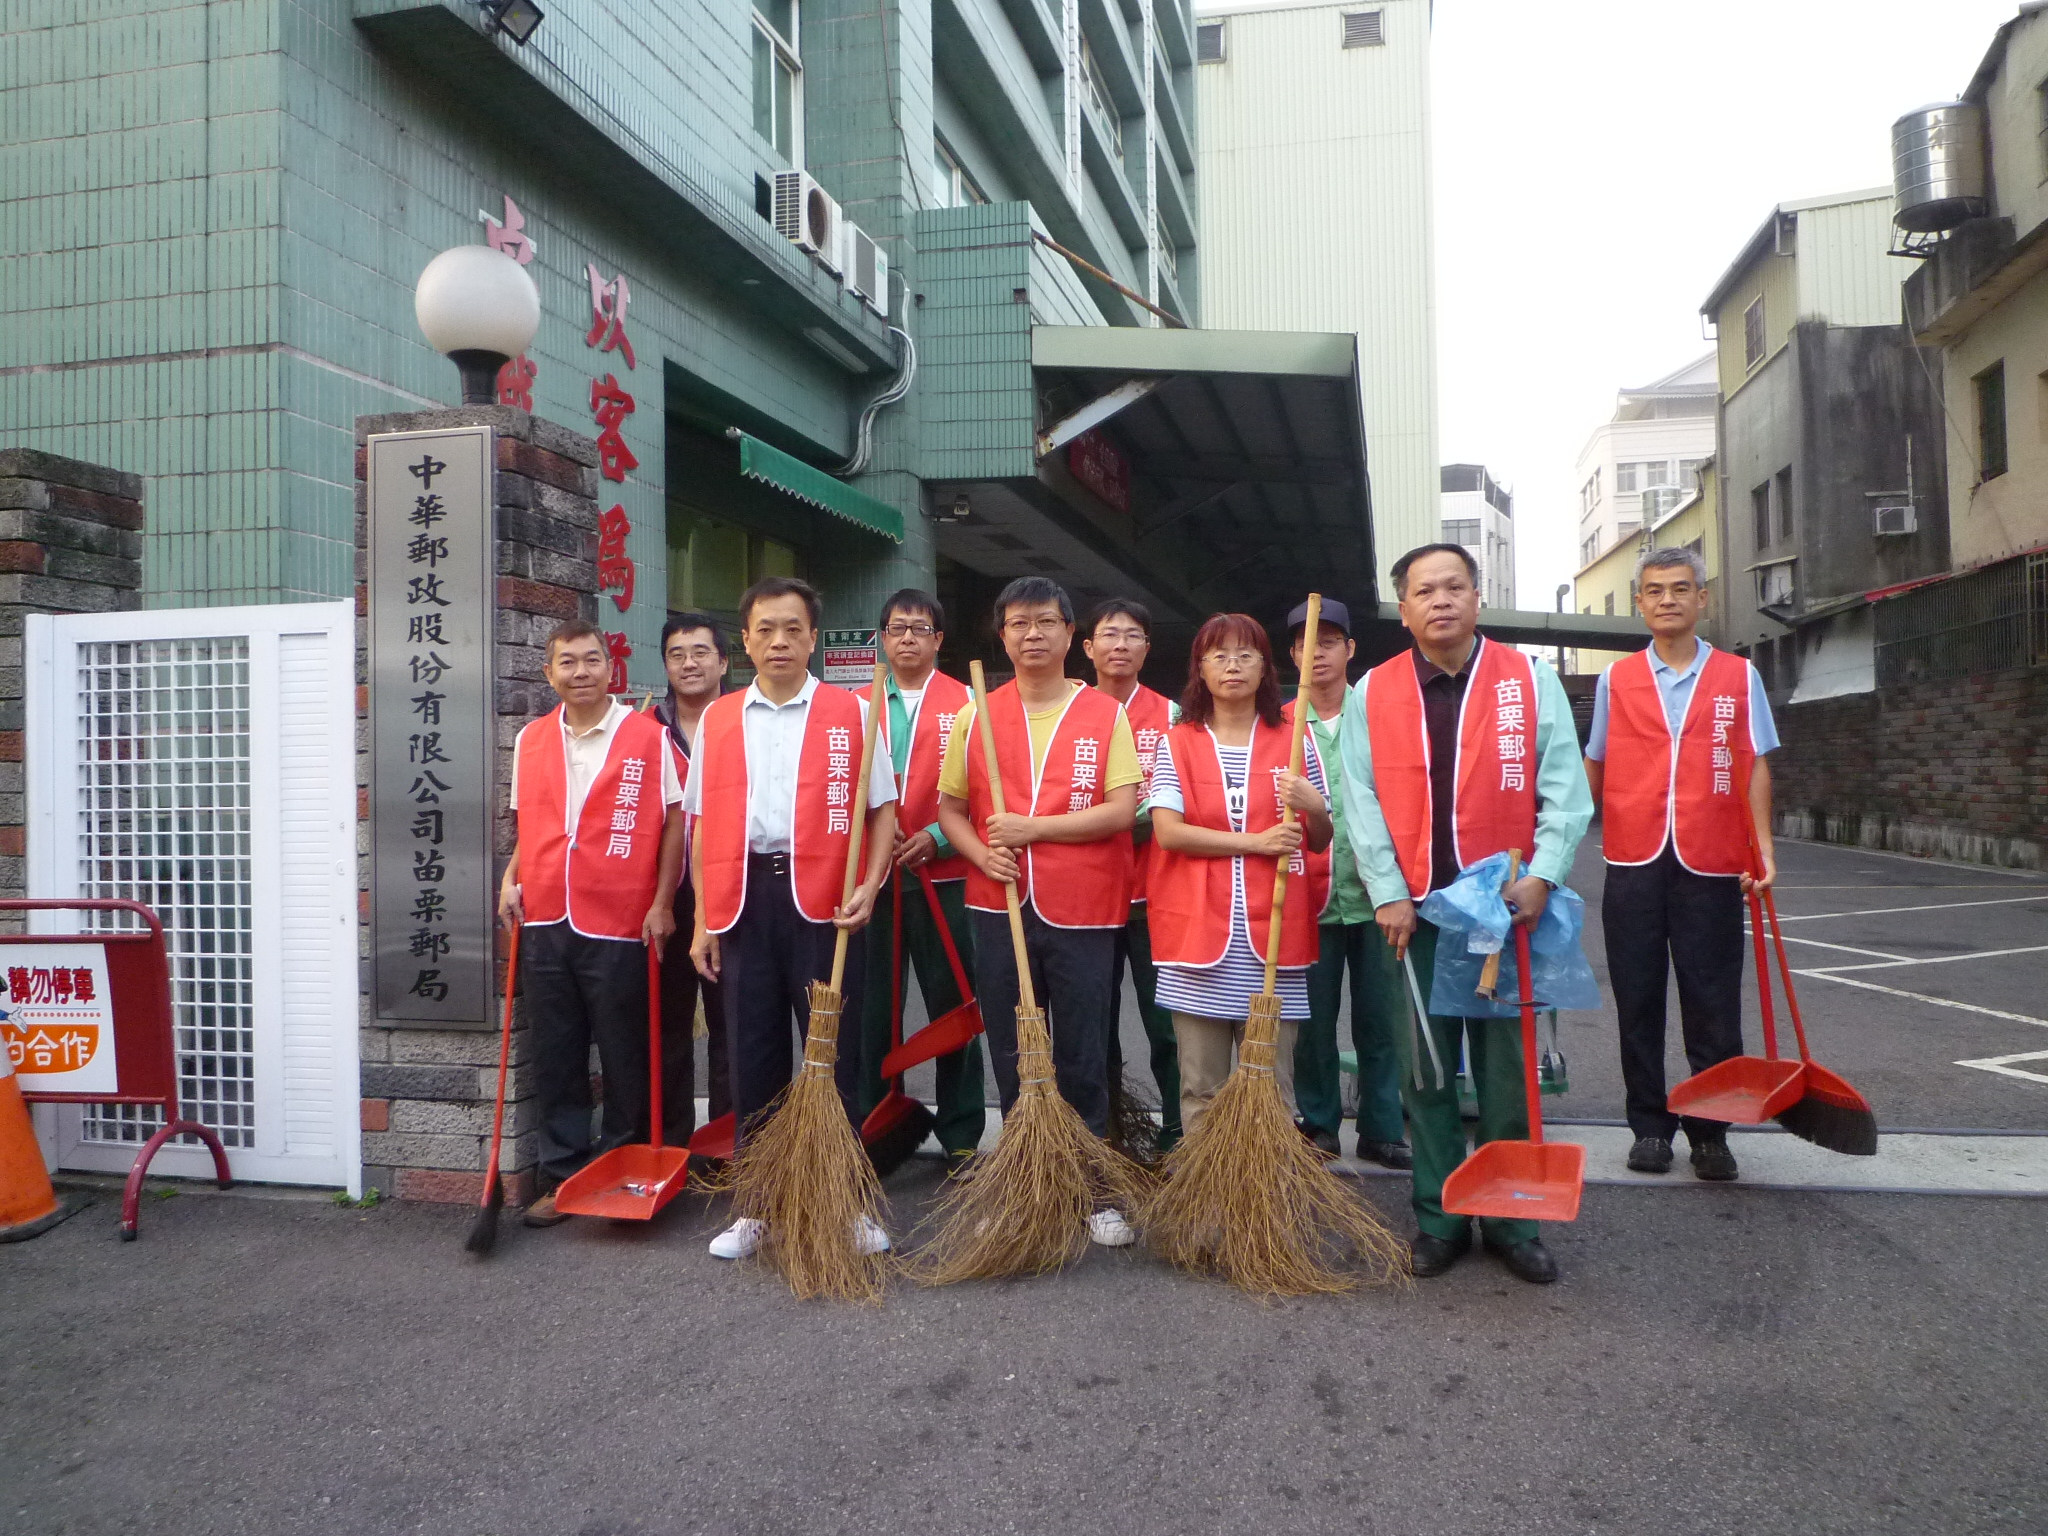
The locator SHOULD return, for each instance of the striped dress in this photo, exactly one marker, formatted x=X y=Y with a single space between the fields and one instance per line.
x=1224 y=990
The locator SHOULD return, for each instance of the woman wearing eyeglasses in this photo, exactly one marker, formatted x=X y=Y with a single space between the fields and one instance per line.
x=1217 y=793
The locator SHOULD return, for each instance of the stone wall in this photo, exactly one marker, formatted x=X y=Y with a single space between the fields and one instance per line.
x=70 y=542
x=1954 y=769
x=427 y=1093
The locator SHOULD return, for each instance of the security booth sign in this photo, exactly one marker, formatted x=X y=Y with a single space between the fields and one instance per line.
x=57 y=1017
x=432 y=742
x=849 y=657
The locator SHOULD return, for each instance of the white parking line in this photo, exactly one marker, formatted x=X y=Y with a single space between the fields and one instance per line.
x=1847 y=949
x=2004 y=1065
x=1938 y=906
x=1922 y=997
x=1898 y=960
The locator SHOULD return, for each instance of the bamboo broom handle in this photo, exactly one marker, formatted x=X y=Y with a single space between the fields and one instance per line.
x=876 y=703
x=1295 y=750
x=987 y=732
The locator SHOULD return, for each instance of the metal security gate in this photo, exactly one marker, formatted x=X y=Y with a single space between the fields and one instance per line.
x=202 y=761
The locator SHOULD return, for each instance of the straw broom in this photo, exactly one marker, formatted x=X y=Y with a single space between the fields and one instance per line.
x=1026 y=1209
x=1246 y=1196
x=804 y=1173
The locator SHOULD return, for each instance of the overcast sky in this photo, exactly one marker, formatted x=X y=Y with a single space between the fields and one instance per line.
x=1598 y=165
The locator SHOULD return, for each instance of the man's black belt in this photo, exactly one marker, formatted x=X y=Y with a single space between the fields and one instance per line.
x=768 y=864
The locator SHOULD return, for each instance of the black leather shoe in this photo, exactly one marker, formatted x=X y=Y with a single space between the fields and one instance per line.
x=1529 y=1261
x=1388 y=1154
x=1429 y=1256
x=1650 y=1154
x=1711 y=1160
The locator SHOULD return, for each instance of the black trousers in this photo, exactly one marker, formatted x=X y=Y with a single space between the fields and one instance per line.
x=767 y=962
x=1661 y=918
x=680 y=985
x=573 y=991
x=1073 y=971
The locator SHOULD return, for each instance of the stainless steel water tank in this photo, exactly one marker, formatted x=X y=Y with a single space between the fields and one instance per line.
x=1938 y=167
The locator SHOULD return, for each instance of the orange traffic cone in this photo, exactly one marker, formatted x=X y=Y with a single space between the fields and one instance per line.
x=28 y=1205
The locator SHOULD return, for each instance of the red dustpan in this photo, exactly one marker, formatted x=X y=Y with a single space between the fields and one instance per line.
x=714 y=1139
x=1746 y=1090
x=1533 y=1180
x=950 y=1030
x=633 y=1183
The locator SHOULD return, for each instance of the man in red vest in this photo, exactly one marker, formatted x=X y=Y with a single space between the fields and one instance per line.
x=1676 y=761
x=592 y=878
x=923 y=706
x=1070 y=782
x=1468 y=750
x=1118 y=639
x=771 y=795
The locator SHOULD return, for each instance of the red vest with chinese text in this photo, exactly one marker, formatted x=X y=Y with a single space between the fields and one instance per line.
x=1495 y=805
x=1151 y=716
x=1191 y=905
x=917 y=791
x=1073 y=885
x=827 y=764
x=1694 y=789
x=602 y=879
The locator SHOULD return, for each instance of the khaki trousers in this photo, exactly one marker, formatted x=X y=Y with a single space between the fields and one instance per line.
x=1206 y=1049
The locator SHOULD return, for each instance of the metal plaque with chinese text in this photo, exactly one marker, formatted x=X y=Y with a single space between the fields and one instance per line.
x=432 y=741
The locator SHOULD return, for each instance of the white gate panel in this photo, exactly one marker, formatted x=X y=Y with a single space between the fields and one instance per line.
x=203 y=761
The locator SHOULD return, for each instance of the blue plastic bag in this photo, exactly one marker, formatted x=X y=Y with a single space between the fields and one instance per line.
x=1475 y=921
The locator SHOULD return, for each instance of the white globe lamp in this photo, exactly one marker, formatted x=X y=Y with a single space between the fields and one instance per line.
x=479 y=307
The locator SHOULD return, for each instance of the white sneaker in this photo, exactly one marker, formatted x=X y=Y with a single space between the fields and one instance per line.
x=739 y=1240
x=868 y=1236
x=1109 y=1230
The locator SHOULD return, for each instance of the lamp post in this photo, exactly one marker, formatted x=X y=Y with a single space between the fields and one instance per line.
x=479 y=307
x=1562 y=588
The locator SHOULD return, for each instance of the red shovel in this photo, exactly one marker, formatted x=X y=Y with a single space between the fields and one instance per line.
x=950 y=1030
x=633 y=1183
x=1533 y=1180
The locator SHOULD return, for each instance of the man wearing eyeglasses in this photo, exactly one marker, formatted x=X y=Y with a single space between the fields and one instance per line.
x=1118 y=640
x=1070 y=780
x=924 y=707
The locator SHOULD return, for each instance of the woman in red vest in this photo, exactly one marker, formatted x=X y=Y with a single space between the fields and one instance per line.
x=1217 y=793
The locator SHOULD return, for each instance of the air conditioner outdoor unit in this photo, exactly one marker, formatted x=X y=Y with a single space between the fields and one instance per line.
x=806 y=214
x=866 y=271
x=1895 y=518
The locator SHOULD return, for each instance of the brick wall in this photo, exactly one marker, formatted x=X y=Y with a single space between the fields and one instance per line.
x=70 y=542
x=1955 y=769
x=427 y=1093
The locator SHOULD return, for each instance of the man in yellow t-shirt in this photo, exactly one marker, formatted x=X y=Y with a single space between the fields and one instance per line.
x=1064 y=840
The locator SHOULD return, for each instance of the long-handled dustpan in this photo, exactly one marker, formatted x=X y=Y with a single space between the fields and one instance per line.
x=1828 y=1112
x=951 y=1030
x=633 y=1183
x=898 y=1125
x=1533 y=1180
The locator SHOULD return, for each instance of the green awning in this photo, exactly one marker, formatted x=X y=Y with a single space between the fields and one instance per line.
x=809 y=484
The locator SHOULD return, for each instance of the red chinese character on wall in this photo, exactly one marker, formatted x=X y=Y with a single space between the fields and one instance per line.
x=515 y=382
x=508 y=235
x=611 y=405
x=608 y=302
x=614 y=569
x=82 y=985
x=17 y=983
x=620 y=652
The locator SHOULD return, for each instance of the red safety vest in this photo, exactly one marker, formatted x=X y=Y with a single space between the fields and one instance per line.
x=601 y=880
x=1073 y=885
x=917 y=791
x=1495 y=807
x=1151 y=716
x=1694 y=788
x=1192 y=904
x=827 y=764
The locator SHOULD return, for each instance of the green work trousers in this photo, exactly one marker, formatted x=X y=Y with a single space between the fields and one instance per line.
x=962 y=1106
x=1135 y=945
x=1494 y=1049
x=1379 y=1006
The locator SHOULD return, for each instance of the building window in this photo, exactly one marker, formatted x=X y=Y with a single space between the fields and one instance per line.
x=1209 y=42
x=1753 y=333
x=711 y=562
x=1785 y=504
x=956 y=188
x=1462 y=530
x=1610 y=605
x=778 y=79
x=1991 y=460
x=1657 y=473
x=1760 y=515
x=1589 y=494
x=1096 y=93
x=1627 y=479
x=1587 y=550
x=1364 y=29
x=1689 y=472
